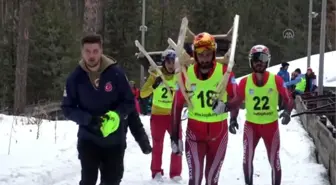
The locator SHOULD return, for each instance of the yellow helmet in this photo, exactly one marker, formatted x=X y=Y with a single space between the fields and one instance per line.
x=204 y=41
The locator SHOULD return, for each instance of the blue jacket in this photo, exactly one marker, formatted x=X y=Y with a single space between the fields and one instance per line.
x=295 y=81
x=82 y=102
x=284 y=75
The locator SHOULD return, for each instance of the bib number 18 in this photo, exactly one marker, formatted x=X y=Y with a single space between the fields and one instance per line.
x=205 y=98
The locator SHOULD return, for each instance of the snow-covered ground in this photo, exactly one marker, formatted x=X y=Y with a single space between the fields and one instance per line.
x=52 y=158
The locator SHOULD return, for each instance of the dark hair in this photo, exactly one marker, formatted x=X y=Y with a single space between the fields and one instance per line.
x=284 y=64
x=92 y=39
x=298 y=70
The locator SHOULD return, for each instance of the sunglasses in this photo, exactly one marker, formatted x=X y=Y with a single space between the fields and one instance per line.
x=262 y=57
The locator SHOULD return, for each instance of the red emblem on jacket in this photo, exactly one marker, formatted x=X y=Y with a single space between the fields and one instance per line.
x=108 y=87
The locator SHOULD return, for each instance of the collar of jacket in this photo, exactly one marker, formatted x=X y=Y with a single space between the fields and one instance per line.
x=106 y=61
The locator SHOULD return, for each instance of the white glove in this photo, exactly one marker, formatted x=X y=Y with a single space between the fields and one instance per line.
x=219 y=107
x=177 y=148
x=185 y=114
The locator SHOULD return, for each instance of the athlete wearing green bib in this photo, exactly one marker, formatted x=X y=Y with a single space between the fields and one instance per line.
x=260 y=91
x=160 y=121
x=162 y=96
x=207 y=130
x=261 y=102
x=203 y=90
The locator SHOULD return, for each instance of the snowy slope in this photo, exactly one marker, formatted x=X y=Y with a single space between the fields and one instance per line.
x=329 y=71
x=52 y=159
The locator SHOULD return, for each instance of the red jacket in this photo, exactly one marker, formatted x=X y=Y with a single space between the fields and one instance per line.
x=285 y=94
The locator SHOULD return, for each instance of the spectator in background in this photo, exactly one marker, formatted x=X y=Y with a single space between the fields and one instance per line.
x=136 y=93
x=310 y=80
x=283 y=73
x=291 y=88
x=293 y=76
x=299 y=82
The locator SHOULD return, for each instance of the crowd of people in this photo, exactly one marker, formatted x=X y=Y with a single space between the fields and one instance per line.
x=104 y=103
x=298 y=83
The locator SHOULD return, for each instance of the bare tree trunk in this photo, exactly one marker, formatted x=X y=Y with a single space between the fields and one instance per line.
x=80 y=12
x=162 y=29
x=2 y=12
x=331 y=24
x=22 y=50
x=67 y=6
x=93 y=16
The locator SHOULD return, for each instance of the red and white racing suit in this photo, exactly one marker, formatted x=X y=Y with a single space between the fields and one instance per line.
x=205 y=140
x=269 y=132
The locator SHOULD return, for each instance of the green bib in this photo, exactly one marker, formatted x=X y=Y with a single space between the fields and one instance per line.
x=301 y=86
x=261 y=103
x=161 y=96
x=203 y=91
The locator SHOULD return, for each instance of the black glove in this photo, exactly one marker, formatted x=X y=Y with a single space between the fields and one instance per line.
x=157 y=82
x=95 y=124
x=285 y=115
x=233 y=126
x=145 y=146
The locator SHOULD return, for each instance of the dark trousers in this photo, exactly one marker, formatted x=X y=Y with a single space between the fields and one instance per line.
x=92 y=157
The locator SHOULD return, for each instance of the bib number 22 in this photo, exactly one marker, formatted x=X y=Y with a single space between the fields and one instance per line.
x=261 y=103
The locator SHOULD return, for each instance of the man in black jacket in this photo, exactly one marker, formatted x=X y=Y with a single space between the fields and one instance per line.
x=99 y=99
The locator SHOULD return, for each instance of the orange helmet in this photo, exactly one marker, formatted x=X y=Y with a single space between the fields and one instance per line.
x=204 y=41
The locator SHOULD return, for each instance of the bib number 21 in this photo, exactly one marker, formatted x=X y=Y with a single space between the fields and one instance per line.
x=164 y=93
x=261 y=103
